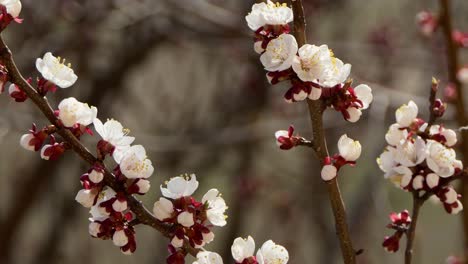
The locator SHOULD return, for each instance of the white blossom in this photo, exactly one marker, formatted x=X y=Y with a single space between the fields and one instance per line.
x=135 y=164
x=113 y=132
x=440 y=159
x=94 y=229
x=163 y=209
x=177 y=242
x=185 y=219
x=349 y=149
x=406 y=114
x=119 y=238
x=207 y=257
x=13 y=7
x=25 y=142
x=459 y=208
x=449 y=135
x=258 y=47
x=96 y=176
x=451 y=196
x=354 y=114
x=410 y=154
x=395 y=136
x=279 y=53
x=311 y=63
x=143 y=186
x=334 y=72
x=432 y=180
x=271 y=253
x=72 y=112
x=54 y=69
x=86 y=198
x=180 y=187
x=242 y=248
x=119 y=206
x=216 y=207
x=269 y=13
x=387 y=162
x=364 y=94
x=405 y=175
x=208 y=237
x=98 y=213
x=418 y=182
x=328 y=172
x=315 y=93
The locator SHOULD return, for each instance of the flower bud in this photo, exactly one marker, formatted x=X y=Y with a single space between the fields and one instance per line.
x=163 y=209
x=27 y=143
x=119 y=238
x=176 y=242
x=86 y=198
x=349 y=149
x=185 y=219
x=329 y=172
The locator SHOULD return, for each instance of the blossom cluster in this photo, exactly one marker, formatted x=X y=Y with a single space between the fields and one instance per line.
x=312 y=71
x=419 y=157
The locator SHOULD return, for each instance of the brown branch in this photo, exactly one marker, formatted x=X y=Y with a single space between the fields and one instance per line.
x=453 y=66
x=141 y=213
x=410 y=234
x=316 y=117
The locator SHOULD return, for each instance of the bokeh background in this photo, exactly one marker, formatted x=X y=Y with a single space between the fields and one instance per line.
x=182 y=75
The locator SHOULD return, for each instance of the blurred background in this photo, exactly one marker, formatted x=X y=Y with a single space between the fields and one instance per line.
x=183 y=76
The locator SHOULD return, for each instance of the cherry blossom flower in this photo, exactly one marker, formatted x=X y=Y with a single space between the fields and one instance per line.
x=448 y=135
x=269 y=13
x=52 y=151
x=410 y=154
x=72 y=112
x=16 y=93
x=285 y=139
x=216 y=207
x=349 y=149
x=13 y=7
x=207 y=257
x=310 y=64
x=440 y=159
x=242 y=249
x=185 y=219
x=54 y=70
x=328 y=172
x=180 y=187
x=113 y=133
x=86 y=197
x=395 y=135
x=279 y=53
x=27 y=142
x=335 y=72
x=272 y=253
x=406 y=114
x=135 y=164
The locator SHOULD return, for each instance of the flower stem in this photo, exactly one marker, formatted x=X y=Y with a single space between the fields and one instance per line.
x=316 y=118
x=411 y=233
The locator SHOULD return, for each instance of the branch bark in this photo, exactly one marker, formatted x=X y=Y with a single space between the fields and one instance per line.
x=141 y=213
x=410 y=234
x=316 y=117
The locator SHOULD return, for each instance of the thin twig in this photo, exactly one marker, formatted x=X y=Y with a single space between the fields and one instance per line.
x=410 y=234
x=316 y=117
x=141 y=213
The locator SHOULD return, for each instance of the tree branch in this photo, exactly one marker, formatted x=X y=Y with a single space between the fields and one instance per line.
x=410 y=234
x=316 y=117
x=141 y=213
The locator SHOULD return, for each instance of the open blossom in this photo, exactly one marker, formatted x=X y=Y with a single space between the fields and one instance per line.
x=72 y=112
x=410 y=153
x=242 y=249
x=86 y=197
x=395 y=135
x=135 y=164
x=335 y=72
x=269 y=13
x=207 y=257
x=280 y=53
x=311 y=62
x=349 y=149
x=406 y=114
x=272 y=253
x=179 y=187
x=440 y=159
x=216 y=207
x=364 y=94
x=113 y=132
x=54 y=70
x=13 y=7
